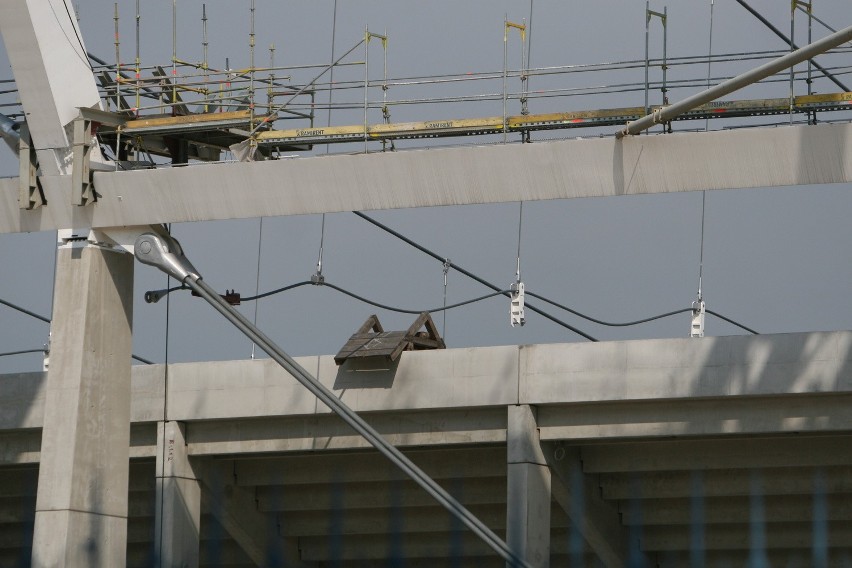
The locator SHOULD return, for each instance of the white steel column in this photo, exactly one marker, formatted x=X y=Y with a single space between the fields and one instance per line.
x=528 y=486
x=178 y=508
x=81 y=508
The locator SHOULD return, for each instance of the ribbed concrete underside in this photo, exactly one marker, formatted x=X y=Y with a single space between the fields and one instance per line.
x=719 y=448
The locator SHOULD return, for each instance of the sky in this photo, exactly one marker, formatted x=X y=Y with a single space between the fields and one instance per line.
x=773 y=259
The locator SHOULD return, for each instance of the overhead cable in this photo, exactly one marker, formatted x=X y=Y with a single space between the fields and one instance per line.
x=607 y=323
x=730 y=321
x=22 y=352
x=405 y=311
x=24 y=311
x=47 y=320
x=470 y=275
x=155 y=295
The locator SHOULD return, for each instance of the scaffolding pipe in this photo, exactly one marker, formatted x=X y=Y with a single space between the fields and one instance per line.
x=204 y=47
x=138 y=60
x=666 y=114
x=778 y=32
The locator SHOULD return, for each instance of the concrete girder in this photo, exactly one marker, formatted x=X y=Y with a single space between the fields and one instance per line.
x=837 y=558
x=235 y=509
x=734 y=510
x=329 y=432
x=725 y=482
x=596 y=520
x=458 y=544
x=20 y=447
x=738 y=453
x=699 y=417
x=429 y=519
x=739 y=536
x=377 y=495
x=370 y=467
x=758 y=157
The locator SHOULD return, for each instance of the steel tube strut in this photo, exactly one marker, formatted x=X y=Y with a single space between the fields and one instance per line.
x=164 y=252
x=668 y=113
x=780 y=34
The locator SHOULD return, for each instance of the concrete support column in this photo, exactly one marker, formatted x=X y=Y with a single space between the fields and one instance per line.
x=528 y=510
x=81 y=507
x=178 y=509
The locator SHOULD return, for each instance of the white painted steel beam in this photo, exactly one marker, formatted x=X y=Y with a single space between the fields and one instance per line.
x=52 y=73
x=759 y=157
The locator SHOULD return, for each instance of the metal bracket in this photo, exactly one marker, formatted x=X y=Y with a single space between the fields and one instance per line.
x=30 y=192
x=159 y=249
x=698 y=312
x=517 y=304
x=116 y=239
x=82 y=189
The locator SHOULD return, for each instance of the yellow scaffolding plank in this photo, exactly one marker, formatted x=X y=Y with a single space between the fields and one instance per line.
x=524 y=123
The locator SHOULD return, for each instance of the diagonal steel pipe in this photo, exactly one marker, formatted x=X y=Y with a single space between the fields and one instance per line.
x=164 y=252
x=665 y=114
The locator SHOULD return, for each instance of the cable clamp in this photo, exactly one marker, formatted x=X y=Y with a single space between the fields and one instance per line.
x=517 y=304
x=317 y=279
x=698 y=312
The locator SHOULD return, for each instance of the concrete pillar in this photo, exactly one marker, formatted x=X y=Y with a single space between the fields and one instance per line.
x=528 y=509
x=81 y=507
x=178 y=509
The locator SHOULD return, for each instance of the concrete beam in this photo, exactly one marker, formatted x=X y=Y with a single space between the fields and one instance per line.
x=838 y=558
x=697 y=417
x=725 y=482
x=328 y=432
x=376 y=495
x=528 y=495
x=745 y=453
x=81 y=509
x=733 y=510
x=666 y=369
x=459 y=544
x=464 y=463
x=20 y=447
x=738 y=536
x=441 y=379
x=177 y=520
x=759 y=157
x=395 y=519
x=593 y=519
x=235 y=508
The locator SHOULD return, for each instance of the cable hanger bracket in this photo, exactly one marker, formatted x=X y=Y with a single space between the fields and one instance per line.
x=699 y=310
x=517 y=304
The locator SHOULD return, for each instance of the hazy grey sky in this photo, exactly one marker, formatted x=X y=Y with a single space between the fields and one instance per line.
x=775 y=259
